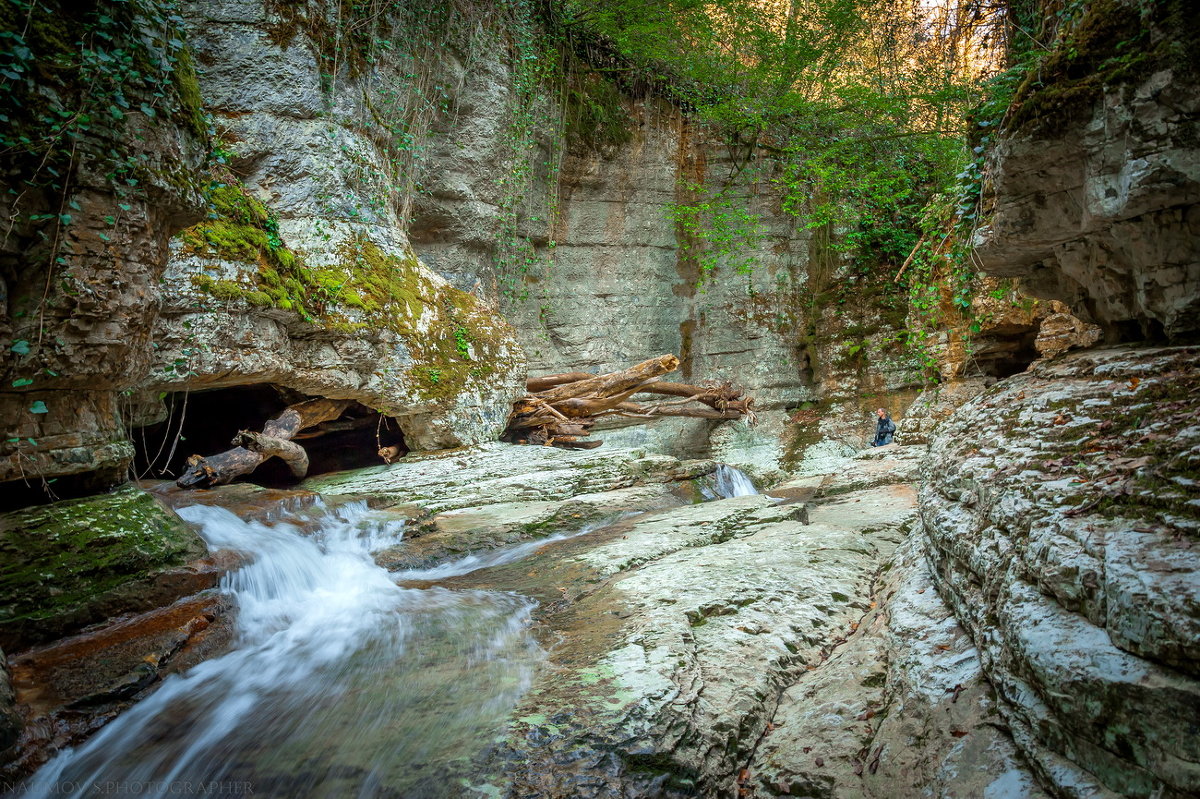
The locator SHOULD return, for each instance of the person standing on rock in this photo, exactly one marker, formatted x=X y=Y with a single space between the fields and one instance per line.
x=885 y=428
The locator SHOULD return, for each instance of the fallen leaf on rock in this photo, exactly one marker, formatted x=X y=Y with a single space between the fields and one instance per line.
x=873 y=605
x=807 y=749
x=943 y=647
x=820 y=761
x=958 y=733
x=867 y=714
x=1133 y=382
x=853 y=626
x=1062 y=418
x=920 y=590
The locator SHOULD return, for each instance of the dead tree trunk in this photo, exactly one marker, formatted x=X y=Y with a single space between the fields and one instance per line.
x=561 y=408
x=251 y=449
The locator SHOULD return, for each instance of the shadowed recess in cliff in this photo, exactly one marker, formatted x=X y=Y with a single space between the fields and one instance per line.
x=206 y=422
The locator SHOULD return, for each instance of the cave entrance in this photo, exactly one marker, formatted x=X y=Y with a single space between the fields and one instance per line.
x=204 y=422
x=1007 y=351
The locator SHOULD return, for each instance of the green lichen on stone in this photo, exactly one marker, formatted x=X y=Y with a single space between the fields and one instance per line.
x=241 y=228
x=453 y=339
x=64 y=557
x=386 y=285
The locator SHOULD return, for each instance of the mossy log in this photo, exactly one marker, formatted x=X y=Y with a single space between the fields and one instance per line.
x=560 y=409
x=251 y=449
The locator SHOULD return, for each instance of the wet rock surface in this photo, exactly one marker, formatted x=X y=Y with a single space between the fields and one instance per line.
x=1060 y=510
x=77 y=562
x=10 y=719
x=685 y=642
x=70 y=689
x=498 y=473
x=482 y=498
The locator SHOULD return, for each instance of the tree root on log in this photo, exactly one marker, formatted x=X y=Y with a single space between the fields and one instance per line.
x=559 y=409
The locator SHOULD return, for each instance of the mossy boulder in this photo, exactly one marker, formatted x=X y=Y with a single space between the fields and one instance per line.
x=72 y=563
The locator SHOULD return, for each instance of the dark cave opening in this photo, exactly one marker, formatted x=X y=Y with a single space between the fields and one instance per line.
x=1009 y=353
x=204 y=423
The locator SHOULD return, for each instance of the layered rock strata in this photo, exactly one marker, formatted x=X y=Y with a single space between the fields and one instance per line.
x=1096 y=177
x=307 y=280
x=1060 y=510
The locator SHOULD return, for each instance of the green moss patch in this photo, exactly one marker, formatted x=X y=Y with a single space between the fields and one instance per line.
x=453 y=339
x=1115 y=43
x=64 y=561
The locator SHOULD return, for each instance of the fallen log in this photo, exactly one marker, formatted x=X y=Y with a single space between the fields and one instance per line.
x=535 y=384
x=560 y=409
x=715 y=396
x=650 y=412
x=614 y=382
x=289 y=452
x=251 y=449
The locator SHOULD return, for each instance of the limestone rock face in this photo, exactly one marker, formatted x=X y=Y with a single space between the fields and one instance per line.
x=1060 y=511
x=347 y=311
x=612 y=275
x=934 y=405
x=74 y=339
x=1061 y=331
x=1096 y=204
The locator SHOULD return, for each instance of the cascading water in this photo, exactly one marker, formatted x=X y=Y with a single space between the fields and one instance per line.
x=729 y=482
x=498 y=557
x=341 y=682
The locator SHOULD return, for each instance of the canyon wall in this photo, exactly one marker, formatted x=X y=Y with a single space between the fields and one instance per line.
x=1097 y=176
x=310 y=252
x=1060 y=505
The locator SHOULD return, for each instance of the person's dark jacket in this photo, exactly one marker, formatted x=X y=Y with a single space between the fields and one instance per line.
x=884 y=431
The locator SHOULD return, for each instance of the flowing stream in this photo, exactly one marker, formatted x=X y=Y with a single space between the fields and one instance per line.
x=340 y=681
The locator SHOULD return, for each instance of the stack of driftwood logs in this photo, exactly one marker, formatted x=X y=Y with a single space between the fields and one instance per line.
x=558 y=410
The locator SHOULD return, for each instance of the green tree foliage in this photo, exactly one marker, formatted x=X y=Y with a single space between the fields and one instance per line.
x=860 y=106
